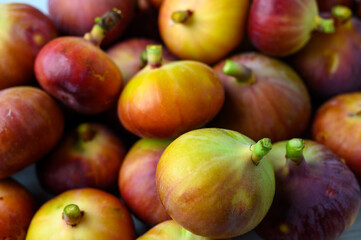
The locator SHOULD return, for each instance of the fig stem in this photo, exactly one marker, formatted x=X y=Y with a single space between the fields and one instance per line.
x=103 y=25
x=341 y=13
x=72 y=214
x=143 y=58
x=260 y=149
x=181 y=16
x=324 y=25
x=154 y=56
x=238 y=71
x=294 y=150
x=85 y=132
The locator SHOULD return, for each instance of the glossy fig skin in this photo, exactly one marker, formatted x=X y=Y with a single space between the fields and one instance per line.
x=137 y=180
x=24 y=31
x=213 y=30
x=337 y=125
x=319 y=199
x=167 y=101
x=105 y=217
x=76 y=18
x=88 y=156
x=281 y=27
x=277 y=98
x=127 y=55
x=31 y=124
x=327 y=5
x=79 y=74
x=329 y=63
x=170 y=230
x=17 y=207
x=208 y=183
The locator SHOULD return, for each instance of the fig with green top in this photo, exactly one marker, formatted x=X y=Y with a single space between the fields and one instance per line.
x=283 y=27
x=264 y=98
x=166 y=100
x=84 y=213
x=317 y=196
x=77 y=72
x=205 y=30
x=216 y=183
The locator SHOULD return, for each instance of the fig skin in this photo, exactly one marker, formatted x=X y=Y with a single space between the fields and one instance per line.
x=75 y=18
x=167 y=101
x=327 y=5
x=31 y=124
x=104 y=217
x=88 y=156
x=209 y=183
x=137 y=180
x=24 y=31
x=329 y=63
x=127 y=56
x=79 y=74
x=337 y=125
x=317 y=199
x=17 y=207
x=273 y=94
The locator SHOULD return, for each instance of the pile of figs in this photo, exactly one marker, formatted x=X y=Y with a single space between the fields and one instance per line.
x=180 y=120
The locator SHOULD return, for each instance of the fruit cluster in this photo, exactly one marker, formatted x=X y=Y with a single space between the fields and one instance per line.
x=203 y=119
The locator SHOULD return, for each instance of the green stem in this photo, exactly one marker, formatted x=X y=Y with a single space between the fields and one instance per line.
x=260 y=149
x=143 y=58
x=85 y=132
x=72 y=214
x=238 y=71
x=294 y=150
x=341 y=13
x=324 y=25
x=103 y=25
x=154 y=56
x=181 y=16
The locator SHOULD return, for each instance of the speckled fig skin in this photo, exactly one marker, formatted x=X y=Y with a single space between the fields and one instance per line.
x=137 y=180
x=24 y=30
x=127 y=56
x=76 y=18
x=88 y=156
x=337 y=125
x=281 y=27
x=277 y=98
x=327 y=5
x=329 y=63
x=167 y=101
x=170 y=230
x=31 y=124
x=79 y=74
x=17 y=207
x=208 y=183
x=318 y=199
x=104 y=217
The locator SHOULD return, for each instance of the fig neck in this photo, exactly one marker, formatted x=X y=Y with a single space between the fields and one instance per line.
x=260 y=149
x=181 y=16
x=72 y=215
x=239 y=71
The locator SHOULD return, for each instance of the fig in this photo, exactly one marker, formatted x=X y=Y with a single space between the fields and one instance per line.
x=76 y=18
x=137 y=180
x=84 y=213
x=202 y=30
x=77 y=72
x=216 y=183
x=317 y=196
x=17 y=207
x=130 y=56
x=24 y=31
x=266 y=89
x=283 y=27
x=88 y=156
x=329 y=63
x=31 y=124
x=164 y=101
x=337 y=125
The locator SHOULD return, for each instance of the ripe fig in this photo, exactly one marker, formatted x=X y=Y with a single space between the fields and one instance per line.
x=77 y=72
x=216 y=183
x=164 y=101
x=317 y=196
